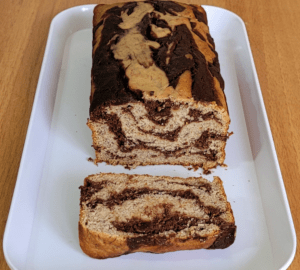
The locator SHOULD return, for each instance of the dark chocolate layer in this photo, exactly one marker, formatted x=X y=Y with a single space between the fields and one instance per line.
x=226 y=237
x=201 y=17
x=166 y=7
x=136 y=242
x=89 y=189
x=167 y=221
x=132 y=194
x=159 y=112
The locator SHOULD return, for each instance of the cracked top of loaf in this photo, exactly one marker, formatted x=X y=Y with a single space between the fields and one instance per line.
x=153 y=50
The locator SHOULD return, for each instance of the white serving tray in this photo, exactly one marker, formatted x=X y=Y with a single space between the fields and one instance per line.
x=41 y=231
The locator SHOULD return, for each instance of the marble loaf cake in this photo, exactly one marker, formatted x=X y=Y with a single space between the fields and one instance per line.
x=157 y=94
x=122 y=213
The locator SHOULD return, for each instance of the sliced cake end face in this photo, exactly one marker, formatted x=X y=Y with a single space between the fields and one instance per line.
x=157 y=94
x=155 y=214
x=161 y=133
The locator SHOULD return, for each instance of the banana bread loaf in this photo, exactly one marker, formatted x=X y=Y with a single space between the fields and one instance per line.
x=157 y=94
x=122 y=213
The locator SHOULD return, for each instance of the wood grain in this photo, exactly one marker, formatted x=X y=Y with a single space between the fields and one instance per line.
x=273 y=29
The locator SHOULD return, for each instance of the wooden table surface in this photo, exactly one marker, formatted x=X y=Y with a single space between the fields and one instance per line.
x=273 y=29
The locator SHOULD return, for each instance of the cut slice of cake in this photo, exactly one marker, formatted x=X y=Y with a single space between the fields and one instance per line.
x=157 y=94
x=122 y=213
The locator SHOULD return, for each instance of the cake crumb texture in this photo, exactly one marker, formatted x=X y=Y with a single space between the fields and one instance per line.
x=122 y=213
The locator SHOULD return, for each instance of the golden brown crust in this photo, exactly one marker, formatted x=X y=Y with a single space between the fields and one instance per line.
x=101 y=245
x=222 y=191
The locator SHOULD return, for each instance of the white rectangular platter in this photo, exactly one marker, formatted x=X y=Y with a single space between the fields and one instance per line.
x=41 y=231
